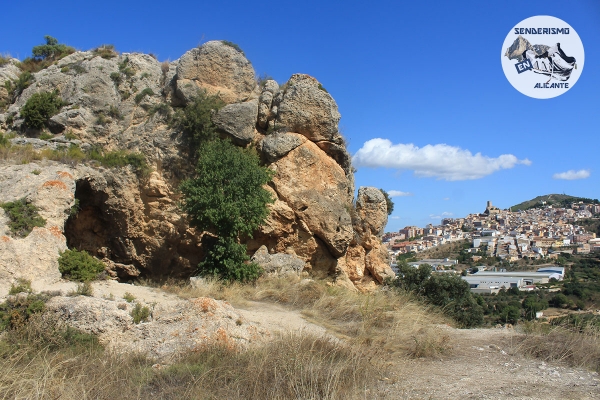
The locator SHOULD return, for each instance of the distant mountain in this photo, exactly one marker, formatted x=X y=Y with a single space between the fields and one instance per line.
x=550 y=199
x=520 y=45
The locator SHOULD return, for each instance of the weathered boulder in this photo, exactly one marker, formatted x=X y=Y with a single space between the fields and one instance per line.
x=219 y=69
x=238 y=120
x=275 y=146
x=367 y=258
x=322 y=204
x=279 y=264
x=307 y=108
x=371 y=211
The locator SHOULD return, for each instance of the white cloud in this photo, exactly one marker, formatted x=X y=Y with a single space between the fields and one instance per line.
x=447 y=214
x=433 y=216
x=572 y=174
x=446 y=198
x=398 y=193
x=394 y=217
x=440 y=160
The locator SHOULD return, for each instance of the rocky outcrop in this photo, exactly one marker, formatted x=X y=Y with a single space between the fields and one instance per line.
x=173 y=327
x=218 y=68
x=134 y=223
x=278 y=264
x=366 y=258
x=238 y=121
x=305 y=107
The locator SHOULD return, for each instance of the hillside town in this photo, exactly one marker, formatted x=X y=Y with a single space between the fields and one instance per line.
x=536 y=233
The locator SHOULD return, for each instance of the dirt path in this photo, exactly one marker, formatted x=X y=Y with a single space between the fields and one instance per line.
x=481 y=366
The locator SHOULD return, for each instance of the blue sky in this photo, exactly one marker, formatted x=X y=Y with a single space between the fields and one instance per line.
x=426 y=74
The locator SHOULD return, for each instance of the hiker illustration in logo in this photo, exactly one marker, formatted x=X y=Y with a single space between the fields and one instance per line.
x=542 y=57
x=552 y=62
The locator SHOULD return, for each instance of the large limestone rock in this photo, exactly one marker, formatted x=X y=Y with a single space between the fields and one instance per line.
x=279 y=144
x=238 y=121
x=49 y=187
x=322 y=204
x=308 y=109
x=219 y=69
x=279 y=264
x=366 y=258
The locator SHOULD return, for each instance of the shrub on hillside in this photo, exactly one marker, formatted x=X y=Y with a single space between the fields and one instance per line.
x=23 y=217
x=79 y=265
x=195 y=119
x=227 y=197
x=40 y=107
x=449 y=292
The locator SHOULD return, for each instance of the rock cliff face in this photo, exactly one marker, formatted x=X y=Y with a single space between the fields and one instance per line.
x=134 y=224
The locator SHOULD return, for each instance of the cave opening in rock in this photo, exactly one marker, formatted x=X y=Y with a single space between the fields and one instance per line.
x=86 y=227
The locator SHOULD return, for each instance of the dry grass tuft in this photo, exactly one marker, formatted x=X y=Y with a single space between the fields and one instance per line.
x=576 y=347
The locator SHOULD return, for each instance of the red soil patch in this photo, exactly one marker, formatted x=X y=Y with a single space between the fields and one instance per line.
x=57 y=184
x=55 y=231
x=64 y=174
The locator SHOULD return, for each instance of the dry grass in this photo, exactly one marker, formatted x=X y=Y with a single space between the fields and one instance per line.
x=290 y=366
x=576 y=347
x=42 y=361
x=383 y=321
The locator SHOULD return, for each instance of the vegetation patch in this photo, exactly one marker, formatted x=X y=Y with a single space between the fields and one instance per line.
x=106 y=51
x=447 y=291
x=140 y=313
x=140 y=96
x=196 y=118
x=45 y=55
x=23 y=217
x=79 y=266
x=40 y=107
x=233 y=45
x=227 y=197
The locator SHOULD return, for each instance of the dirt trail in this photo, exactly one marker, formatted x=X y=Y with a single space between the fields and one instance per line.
x=481 y=366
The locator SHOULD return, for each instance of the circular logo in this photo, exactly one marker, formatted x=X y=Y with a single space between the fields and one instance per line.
x=542 y=57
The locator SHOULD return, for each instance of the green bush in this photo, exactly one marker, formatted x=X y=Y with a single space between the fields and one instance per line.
x=52 y=49
x=83 y=289
x=40 y=107
x=23 y=285
x=106 y=51
x=116 y=77
x=226 y=259
x=79 y=266
x=140 y=96
x=25 y=80
x=23 y=217
x=195 y=120
x=14 y=315
x=449 y=292
x=227 y=197
x=140 y=313
x=128 y=297
x=388 y=201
